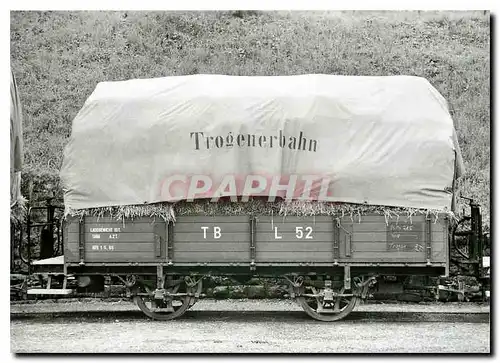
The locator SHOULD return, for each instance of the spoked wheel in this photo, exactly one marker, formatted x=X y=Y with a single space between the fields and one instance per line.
x=171 y=305
x=318 y=305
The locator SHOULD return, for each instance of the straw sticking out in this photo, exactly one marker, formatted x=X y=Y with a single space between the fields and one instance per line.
x=169 y=211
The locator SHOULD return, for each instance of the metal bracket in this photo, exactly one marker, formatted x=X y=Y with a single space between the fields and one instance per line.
x=160 y=279
x=252 y=243
x=129 y=281
x=191 y=282
x=363 y=286
x=170 y=242
x=295 y=284
x=348 y=245
x=297 y=281
x=428 y=240
x=81 y=240
x=157 y=241
x=328 y=293
x=336 y=240
x=197 y=293
x=460 y=291
x=159 y=294
x=347 y=277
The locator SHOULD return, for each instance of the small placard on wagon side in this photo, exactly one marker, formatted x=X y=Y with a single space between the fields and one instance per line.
x=405 y=237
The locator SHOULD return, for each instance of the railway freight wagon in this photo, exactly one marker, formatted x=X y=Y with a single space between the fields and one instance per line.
x=324 y=181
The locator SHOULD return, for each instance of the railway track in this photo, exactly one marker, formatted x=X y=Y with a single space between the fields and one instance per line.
x=259 y=316
x=250 y=310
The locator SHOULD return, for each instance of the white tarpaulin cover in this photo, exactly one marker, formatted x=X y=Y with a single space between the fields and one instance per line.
x=372 y=140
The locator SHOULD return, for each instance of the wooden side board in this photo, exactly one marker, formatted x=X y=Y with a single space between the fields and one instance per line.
x=373 y=239
x=229 y=239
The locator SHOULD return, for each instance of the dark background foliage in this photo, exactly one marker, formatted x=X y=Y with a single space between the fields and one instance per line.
x=59 y=57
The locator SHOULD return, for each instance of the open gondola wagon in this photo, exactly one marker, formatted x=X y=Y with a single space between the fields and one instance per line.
x=166 y=183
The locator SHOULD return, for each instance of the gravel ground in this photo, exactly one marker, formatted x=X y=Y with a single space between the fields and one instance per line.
x=245 y=326
x=248 y=336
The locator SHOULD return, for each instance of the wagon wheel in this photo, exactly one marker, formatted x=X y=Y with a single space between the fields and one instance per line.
x=168 y=307
x=313 y=302
x=461 y=235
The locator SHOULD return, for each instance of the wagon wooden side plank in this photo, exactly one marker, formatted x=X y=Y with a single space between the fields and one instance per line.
x=275 y=239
